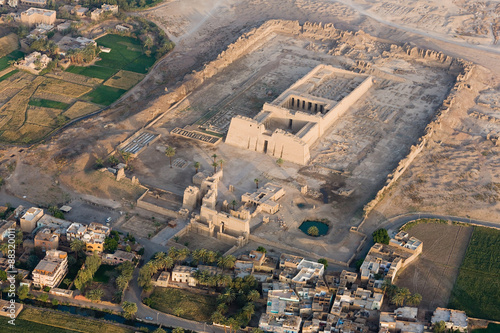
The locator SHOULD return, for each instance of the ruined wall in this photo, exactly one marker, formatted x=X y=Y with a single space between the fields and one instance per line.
x=431 y=128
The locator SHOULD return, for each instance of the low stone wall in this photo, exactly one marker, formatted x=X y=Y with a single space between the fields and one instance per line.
x=304 y=253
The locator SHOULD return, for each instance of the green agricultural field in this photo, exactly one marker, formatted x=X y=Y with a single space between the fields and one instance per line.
x=183 y=303
x=9 y=74
x=103 y=273
x=45 y=321
x=104 y=95
x=98 y=72
x=14 y=55
x=126 y=53
x=48 y=104
x=477 y=289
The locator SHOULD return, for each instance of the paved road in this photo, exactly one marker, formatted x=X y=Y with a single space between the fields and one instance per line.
x=397 y=221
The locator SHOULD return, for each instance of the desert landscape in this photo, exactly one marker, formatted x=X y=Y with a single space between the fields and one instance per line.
x=422 y=138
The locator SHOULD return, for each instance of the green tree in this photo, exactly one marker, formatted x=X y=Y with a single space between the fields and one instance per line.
x=129 y=309
x=113 y=160
x=221 y=162
x=159 y=330
x=22 y=292
x=313 y=231
x=170 y=152
x=256 y=181
x=414 y=300
x=398 y=299
x=126 y=155
x=381 y=236
x=77 y=246
x=280 y=162
x=253 y=296
x=215 y=165
x=43 y=297
x=226 y=262
x=178 y=330
x=234 y=203
x=95 y=294
x=439 y=327
x=110 y=244
x=196 y=166
x=262 y=249
x=214 y=156
x=324 y=262
x=3 y=275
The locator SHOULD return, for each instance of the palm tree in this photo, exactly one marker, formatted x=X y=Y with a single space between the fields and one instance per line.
x=233 y=324
x=196 y=166
x=415 y=299
x=404 y=292
x=95 y=294
x=170 y=152
x=234 y=203
x=198 y=256
x=221 y=161
x=253 y=295
x=163 y=261
x=130 y=309
x=182 y=254
x=279 y=161
x=215 y=165
x=214 y=156
x=77 y=245
x=256 y=181
x=218 y=317
x=226 y=262
x=248 y=310
x=211 y=257
x=121 y=282
x=398 y=299
x=126 y=155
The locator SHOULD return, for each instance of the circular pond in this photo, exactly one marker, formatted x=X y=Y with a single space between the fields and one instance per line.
x=322 y=227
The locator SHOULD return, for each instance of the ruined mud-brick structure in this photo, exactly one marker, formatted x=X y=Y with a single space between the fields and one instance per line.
x=293 y=122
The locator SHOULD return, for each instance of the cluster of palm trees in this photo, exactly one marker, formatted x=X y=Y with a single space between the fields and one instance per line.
x=215 y=164
x=243 y=292
x=400 y=296
x=163 y=261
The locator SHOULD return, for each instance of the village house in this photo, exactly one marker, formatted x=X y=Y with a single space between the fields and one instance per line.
x=5 y=228
x=34 y=16
x=30 y=218
x=118 y=257
x=46 y=240
x=51 y=270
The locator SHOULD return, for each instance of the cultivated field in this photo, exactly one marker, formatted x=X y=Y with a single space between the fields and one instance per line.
x=183 y=303
x=433 y=274
x=33 y=106
x=477 y=289
x=46 y=321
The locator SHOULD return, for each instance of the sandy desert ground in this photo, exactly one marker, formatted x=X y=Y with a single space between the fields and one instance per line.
x=456 y=173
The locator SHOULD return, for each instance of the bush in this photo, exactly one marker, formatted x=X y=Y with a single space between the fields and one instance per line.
x=313 y=231
x=324 y=262
x=381 y=236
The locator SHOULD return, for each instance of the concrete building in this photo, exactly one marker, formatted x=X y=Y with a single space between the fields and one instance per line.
x=34 y=16
x=75 y=231
x=162 y=280
x=283 y=302
x=51 y=270
x=96 y=13
x=243 y=268
x=7 y=309
x=69 y=43
x=293 y=122
x=289 y=260
x=308 y=270
x=453 y=319
x=356 y=298
x=279 y=323
x=389 y=259
x=46 y=240
x=30 y=218
x=34 y=62
x=183 y=274
x=118 y=257
x=38 y=3
x=5 y=228
x=11 y=3
x=57 y=226
x=79 y=11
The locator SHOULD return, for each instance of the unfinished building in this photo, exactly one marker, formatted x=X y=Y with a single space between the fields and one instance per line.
x=293 y=122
